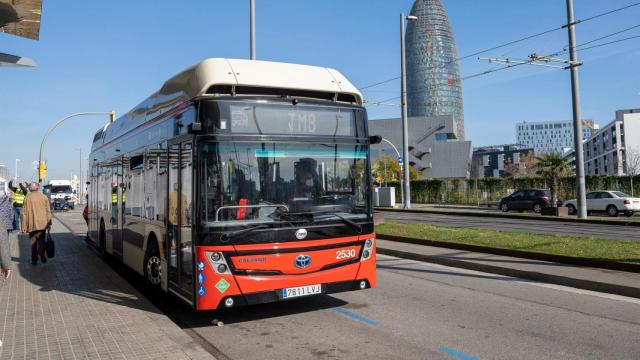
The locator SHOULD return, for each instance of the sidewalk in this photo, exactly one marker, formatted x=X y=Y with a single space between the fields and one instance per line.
x=76 y=307
x=609 y=281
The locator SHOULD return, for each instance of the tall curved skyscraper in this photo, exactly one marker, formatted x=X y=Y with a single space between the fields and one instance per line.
x=433 y=72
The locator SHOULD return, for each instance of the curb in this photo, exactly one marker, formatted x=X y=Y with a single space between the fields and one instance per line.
x=514 y=216
x=568 y=260
x=528 y=275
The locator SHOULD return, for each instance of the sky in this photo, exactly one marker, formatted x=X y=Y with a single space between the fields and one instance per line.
x=102 y=55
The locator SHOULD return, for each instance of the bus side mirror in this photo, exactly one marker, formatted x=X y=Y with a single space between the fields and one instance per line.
x=194 y=128
x=375 y=139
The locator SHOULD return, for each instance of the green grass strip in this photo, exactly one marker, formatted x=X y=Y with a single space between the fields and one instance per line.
x=584 y=247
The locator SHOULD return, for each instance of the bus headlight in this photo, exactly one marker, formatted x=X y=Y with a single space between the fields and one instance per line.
x=368 y=249
x=218 y=262
x=216 y=256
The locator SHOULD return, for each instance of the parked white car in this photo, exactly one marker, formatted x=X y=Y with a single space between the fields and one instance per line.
x=610 y=202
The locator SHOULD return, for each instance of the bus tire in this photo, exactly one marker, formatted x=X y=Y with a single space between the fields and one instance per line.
x=152 y=263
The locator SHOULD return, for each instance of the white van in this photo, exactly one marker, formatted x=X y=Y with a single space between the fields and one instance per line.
x=61 y=189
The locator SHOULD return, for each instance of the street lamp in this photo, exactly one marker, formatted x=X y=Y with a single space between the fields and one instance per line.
x=41 y=165
x=405 y=128
x=401 y=167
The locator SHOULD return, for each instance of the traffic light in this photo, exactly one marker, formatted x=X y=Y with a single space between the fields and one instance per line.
x=42 y=171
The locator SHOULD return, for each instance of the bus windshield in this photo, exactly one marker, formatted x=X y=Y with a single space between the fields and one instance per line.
x=257 y=182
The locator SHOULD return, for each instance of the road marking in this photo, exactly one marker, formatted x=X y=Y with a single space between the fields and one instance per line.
x=521 y=281
x=455 y=353
x=356 y=316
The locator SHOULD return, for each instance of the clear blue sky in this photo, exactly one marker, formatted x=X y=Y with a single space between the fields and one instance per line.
x=103 y=55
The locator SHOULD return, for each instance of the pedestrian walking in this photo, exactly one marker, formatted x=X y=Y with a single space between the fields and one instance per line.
x=36 y=219
x=6 y=225
x=19 y=193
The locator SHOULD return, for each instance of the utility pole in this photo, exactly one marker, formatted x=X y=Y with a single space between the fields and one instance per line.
x=406 y=201
x=16 y=177
x=577 y=119
x=572 y=65
x=252 y=30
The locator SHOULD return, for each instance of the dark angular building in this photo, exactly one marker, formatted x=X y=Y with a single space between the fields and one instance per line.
x=494 y=161
x=434 y=87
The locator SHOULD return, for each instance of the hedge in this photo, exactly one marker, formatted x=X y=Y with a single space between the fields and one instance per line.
x=491 y=190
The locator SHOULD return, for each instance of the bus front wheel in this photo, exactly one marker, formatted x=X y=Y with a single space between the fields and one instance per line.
x=152 y=265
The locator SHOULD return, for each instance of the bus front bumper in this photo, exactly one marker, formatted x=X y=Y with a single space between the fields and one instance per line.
x=277 y=295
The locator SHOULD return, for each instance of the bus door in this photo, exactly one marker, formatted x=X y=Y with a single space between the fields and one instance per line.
x=179 y=220
x=117 y=183
x=92 y=203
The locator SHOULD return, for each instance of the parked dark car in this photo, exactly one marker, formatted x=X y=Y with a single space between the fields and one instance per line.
x=526 y=199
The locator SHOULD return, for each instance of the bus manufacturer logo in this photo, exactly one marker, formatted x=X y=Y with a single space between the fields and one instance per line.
x=302 y=261
x=301 y=234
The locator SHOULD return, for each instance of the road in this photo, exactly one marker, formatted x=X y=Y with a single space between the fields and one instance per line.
x=616 y=232
x=418 y=311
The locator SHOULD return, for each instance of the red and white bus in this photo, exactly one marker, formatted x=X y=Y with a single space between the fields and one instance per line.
x=239 y=182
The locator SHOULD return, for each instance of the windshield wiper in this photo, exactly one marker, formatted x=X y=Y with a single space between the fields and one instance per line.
x=347 y=221
x=226 y=237
x=309 y=216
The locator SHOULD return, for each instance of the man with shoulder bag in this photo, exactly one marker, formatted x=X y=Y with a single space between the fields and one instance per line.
x=36 y=220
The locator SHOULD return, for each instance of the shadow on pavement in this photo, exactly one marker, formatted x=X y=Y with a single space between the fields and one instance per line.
x=77 y=271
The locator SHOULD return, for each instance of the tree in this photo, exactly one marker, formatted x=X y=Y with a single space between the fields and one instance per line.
x=552 y=167
x=525 y=167
x=386 y=169
x=632 y=165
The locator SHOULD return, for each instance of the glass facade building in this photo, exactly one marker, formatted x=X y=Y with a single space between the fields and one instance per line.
x=433 y=72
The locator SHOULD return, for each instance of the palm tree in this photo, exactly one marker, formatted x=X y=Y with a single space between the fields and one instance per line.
x=552 y=166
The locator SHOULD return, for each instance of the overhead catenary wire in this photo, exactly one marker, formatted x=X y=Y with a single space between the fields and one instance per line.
x=520 y=40
x=382 y=102
x=526 y=62
x=379 y=83
x=548 y=31
x=578 y=48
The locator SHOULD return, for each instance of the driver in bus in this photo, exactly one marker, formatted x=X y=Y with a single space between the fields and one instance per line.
x=307 y=185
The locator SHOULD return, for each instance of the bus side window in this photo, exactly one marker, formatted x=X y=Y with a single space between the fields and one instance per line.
x=183 y=120
x=161 y=193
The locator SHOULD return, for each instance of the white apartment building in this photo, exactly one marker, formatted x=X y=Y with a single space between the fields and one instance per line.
x=551 y=136
x=605 y=152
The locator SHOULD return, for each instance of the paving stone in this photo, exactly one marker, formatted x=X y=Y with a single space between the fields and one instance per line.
x=77 y=307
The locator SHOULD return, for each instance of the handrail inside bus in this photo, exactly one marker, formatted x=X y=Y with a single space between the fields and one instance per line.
x=250 y=207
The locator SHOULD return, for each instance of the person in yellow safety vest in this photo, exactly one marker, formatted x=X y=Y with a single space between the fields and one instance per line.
x=19 y=194
x=114 y=205
x=124 y=198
